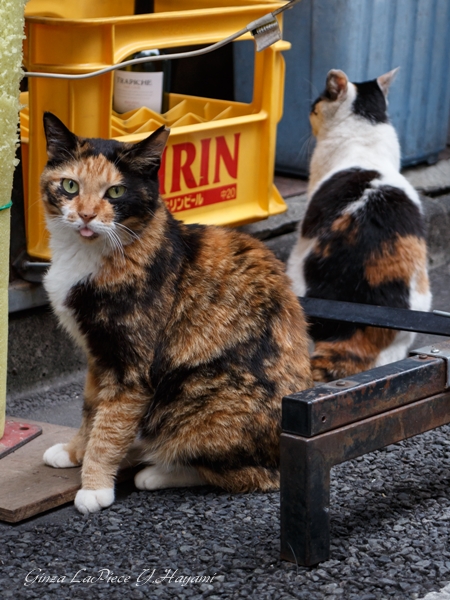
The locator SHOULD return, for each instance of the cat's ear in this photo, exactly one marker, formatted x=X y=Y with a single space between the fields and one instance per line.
x=60 y=140
x=149 y=151
x=384 y=81
x=337 y=84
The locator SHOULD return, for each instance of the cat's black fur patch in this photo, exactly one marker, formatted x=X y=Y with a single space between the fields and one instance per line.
x=108 y=347
x=192 y=241
x=333 y=195
x=96 y=146
x=248 y=357
x=235 y=459
x=346 y=187
x=387 y=214
x=87 y=301
x=370 y=102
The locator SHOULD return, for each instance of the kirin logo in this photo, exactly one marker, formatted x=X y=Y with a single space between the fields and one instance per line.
x=199 y=174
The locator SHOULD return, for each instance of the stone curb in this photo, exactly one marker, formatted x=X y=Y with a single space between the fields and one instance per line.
x=430 y=179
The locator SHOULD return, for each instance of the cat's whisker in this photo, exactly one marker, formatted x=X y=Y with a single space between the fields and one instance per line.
x=132 y=234
x=116 y=249
x=111 y=239
x=119 y=244
x=116 y=242
x=310 y=146
x=60 y=224
x=123 y=155
x=314 y=90
x=306 y=142
x=117 y=160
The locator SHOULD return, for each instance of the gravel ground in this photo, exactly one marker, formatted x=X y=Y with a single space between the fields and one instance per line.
x=389 y=539
x=390 y=515
x=390 y=524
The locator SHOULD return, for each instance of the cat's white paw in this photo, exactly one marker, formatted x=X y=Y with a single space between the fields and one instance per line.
x=155 y=477
x=90 y=501
x=56 y=456
x=150 y=478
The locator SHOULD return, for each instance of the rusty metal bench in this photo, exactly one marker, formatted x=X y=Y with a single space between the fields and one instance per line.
x=336 y=422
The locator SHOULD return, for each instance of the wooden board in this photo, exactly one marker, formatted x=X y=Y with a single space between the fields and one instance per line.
x=28 y=486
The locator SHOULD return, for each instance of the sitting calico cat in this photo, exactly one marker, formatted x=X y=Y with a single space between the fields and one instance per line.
x=192 y=333
x=362 y=237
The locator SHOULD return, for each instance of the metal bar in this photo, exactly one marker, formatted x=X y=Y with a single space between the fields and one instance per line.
x=384 y=429
x=305 y=462
x=441 y=350
x=376 y=316
x=304 y=501
x=326 y=407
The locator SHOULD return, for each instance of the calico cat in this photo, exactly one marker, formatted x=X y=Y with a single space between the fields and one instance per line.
x=362 y=238
x=192 y=333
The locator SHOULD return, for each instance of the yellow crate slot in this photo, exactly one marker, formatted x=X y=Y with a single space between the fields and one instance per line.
x=211 y=110
x=148 y=127
x=116 y=131
x=189 y=119
x=178 y=110
x=134 y=120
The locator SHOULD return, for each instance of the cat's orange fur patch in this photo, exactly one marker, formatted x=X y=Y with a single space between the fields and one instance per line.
x=399 y=260
x=342 y=223
x=337 y=359
x=346 y=226
x=127 y=268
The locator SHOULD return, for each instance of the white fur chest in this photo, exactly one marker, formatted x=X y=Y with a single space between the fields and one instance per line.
x=73 y=261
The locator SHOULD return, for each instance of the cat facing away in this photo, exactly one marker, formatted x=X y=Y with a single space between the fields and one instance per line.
x=362 y=238
x=192 y=333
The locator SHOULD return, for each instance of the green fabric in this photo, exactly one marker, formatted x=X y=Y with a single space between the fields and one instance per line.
x=6 y=205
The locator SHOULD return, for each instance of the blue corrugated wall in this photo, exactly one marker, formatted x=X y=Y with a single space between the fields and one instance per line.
x=364 y=38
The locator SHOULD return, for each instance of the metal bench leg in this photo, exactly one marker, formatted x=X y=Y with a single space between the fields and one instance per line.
x=306 y=464
x=305 y=498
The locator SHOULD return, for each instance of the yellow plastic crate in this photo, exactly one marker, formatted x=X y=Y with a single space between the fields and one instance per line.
x=219 y=162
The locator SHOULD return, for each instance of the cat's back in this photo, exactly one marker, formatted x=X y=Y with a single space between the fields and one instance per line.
x=224 y=256
x=235 y=342
x=356 y=217
x=234 y=288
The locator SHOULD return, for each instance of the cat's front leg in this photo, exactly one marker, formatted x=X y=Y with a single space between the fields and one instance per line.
x=61 y=456
x=114 y=429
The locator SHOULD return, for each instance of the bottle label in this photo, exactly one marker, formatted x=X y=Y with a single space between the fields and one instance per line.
x=133 y=90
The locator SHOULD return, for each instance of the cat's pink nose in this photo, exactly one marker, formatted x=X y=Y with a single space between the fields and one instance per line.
x=87 y=216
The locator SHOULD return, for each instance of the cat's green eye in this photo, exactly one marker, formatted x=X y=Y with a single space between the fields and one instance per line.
x=70 y=186
x=116 y=191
